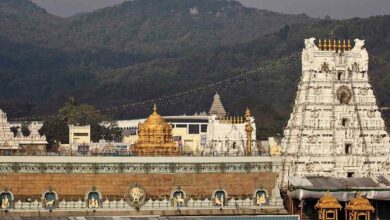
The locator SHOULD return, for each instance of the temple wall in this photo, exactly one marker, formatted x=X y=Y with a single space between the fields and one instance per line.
x=116 y=185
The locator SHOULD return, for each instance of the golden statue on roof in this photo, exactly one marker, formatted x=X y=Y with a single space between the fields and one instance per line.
x=155 y=137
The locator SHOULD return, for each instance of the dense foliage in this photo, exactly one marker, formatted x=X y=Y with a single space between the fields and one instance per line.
x=56 y=128
x=145 y=49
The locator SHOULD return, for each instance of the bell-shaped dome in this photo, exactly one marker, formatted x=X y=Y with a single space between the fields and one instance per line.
x=360 y=203
x=328 y=202
x=155 y=121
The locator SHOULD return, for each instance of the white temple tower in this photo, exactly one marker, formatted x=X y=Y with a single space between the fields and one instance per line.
x=336 y=128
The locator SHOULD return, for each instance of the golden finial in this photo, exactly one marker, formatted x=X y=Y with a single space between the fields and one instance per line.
x=334 y=44
x=344 y=45
x=339 y=45
x=320 y=44
x=349 y=45
x=155 y=108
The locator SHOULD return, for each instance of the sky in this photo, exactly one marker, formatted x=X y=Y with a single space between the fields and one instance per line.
x=339 y=9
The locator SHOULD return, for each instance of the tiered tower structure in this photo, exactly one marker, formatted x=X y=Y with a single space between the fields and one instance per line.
x=155 y=137
x=217 y=107
x=336 y=128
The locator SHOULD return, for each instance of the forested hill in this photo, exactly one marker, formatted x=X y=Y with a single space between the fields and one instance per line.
x=145 y=49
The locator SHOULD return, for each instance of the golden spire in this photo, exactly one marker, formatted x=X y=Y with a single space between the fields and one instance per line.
x=248 y=129
x=339 y=45
x=344 y=45
x=334 y=44
x=320 y=44
x=349 y=45
x=155 y=108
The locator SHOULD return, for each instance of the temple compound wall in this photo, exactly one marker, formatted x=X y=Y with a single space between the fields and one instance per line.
x=139 y=183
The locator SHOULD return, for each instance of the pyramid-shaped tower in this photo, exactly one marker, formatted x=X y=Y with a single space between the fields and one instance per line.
x=217 y=107
x=336 y=128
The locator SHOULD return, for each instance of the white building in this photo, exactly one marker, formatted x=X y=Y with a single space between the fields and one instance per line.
x=11 y=143
x=79 y=135
x=202 y=134
x=336 y=128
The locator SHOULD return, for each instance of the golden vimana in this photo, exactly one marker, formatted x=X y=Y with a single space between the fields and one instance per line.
x=334 y=45
x=155 y=137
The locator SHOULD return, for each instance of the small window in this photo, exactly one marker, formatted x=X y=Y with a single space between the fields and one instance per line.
x=348 y=149
x=344 y=122
x=330 y=215
x=81 y=134
x=362 y=217
x=193 y=129
x=181 y=125
x=350 y=174
x=340 y=76
x=203 y=128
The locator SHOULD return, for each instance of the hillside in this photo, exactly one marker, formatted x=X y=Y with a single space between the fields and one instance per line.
x=147 y=49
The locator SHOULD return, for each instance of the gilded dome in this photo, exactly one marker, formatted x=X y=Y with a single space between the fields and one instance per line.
x=155 y=137
x=328 y=202
x=360 y=203
x=155 y=121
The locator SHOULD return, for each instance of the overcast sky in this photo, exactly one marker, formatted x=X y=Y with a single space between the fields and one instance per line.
x=315 y=8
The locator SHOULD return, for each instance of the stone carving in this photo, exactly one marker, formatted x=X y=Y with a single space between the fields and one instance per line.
x=5 y=202
x=93 y=203
x=344 y=94
x=359 y=45
x=136 y=196
x=219 y=198
x=309 y=43
x=178 y=199
x=260 y=198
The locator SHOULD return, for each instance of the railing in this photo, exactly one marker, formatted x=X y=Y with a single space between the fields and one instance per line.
x=116 y=154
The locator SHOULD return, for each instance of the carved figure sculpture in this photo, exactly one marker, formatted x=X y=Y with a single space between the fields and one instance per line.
x=179 y=200
x=93 y=203
x=136 y=194
x=219 y=202
x=260 y=200
x=49 y=203
x=5 y=202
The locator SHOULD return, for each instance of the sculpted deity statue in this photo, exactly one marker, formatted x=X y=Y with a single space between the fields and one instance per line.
x=260 y=199
x=93 y=203
x=49 y=203
x=178 y=200
x=219 y=201
x=4 y=202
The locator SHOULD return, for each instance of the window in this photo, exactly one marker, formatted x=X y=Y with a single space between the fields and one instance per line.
x=362 y=217
x=330 y=215
x=81 y=134
x=193 y=129
x=203 y=128
x=339 y=76
x=344 y=122
x=181 y=125
x=348 y=149
x=350 y=174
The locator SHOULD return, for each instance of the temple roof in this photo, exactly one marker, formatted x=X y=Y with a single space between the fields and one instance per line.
x=154 y=120
x=328 y=202
x=217 y=107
